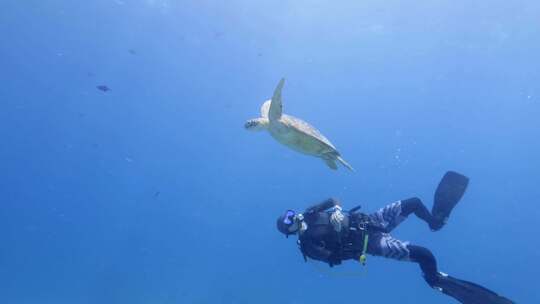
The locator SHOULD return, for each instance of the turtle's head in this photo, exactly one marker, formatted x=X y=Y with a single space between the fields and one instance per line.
x=257 y=124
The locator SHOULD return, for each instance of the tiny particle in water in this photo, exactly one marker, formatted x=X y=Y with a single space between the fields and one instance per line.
x=132 y=52
x=103 y=88
x=157 y=194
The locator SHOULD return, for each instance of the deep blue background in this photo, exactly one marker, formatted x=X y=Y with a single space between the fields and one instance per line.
x=154 y=193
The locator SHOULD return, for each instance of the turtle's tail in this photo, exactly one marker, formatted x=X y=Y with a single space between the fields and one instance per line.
x=344 y=163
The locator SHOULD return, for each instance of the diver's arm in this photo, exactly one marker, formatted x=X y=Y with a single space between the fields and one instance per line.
x=327 y=204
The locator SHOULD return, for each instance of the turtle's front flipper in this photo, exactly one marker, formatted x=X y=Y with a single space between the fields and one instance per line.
x=344 y=163
x=265 y=108
x=276 y=106
x=330 y=163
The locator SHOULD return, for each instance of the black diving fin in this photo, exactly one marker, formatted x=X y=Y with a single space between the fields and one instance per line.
x=468 y=293
x=450 y=190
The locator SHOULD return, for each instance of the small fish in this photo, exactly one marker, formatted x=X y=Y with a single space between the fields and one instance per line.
x=103 y=88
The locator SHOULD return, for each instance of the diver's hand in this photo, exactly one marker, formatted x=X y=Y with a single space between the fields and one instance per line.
x=336 y=218
x=299 y=218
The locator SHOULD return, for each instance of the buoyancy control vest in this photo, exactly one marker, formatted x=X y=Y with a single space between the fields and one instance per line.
x=320 y=241
x=343 y=245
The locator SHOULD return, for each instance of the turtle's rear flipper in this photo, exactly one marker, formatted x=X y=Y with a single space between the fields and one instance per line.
x=330 y=163
x=344 y=163
x=450 y=190
x=467 y=292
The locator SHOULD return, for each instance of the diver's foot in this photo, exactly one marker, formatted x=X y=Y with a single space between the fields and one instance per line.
x=437 y=223
x=434 y=279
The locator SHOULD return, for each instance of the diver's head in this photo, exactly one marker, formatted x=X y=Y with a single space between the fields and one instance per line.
x=257 y=124
x=288 y=223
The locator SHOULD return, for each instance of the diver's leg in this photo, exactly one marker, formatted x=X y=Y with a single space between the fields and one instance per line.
x=415 y=205
x=384 y=245
x=463 y=291
x=390 y=216
x=427 y=262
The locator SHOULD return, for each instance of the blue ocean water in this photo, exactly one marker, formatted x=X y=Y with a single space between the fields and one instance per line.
x=153 y=192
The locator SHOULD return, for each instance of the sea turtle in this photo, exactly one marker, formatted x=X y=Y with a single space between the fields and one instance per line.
x=294 y=132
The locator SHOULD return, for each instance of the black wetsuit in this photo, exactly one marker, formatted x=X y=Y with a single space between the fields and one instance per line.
x=321 y=242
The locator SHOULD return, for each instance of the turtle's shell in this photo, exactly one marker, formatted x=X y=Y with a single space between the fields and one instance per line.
x=301 y=136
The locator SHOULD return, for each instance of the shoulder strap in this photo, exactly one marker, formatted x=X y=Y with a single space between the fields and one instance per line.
x=301 y=247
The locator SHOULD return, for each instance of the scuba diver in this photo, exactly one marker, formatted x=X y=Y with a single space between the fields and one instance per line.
x=327 y=233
